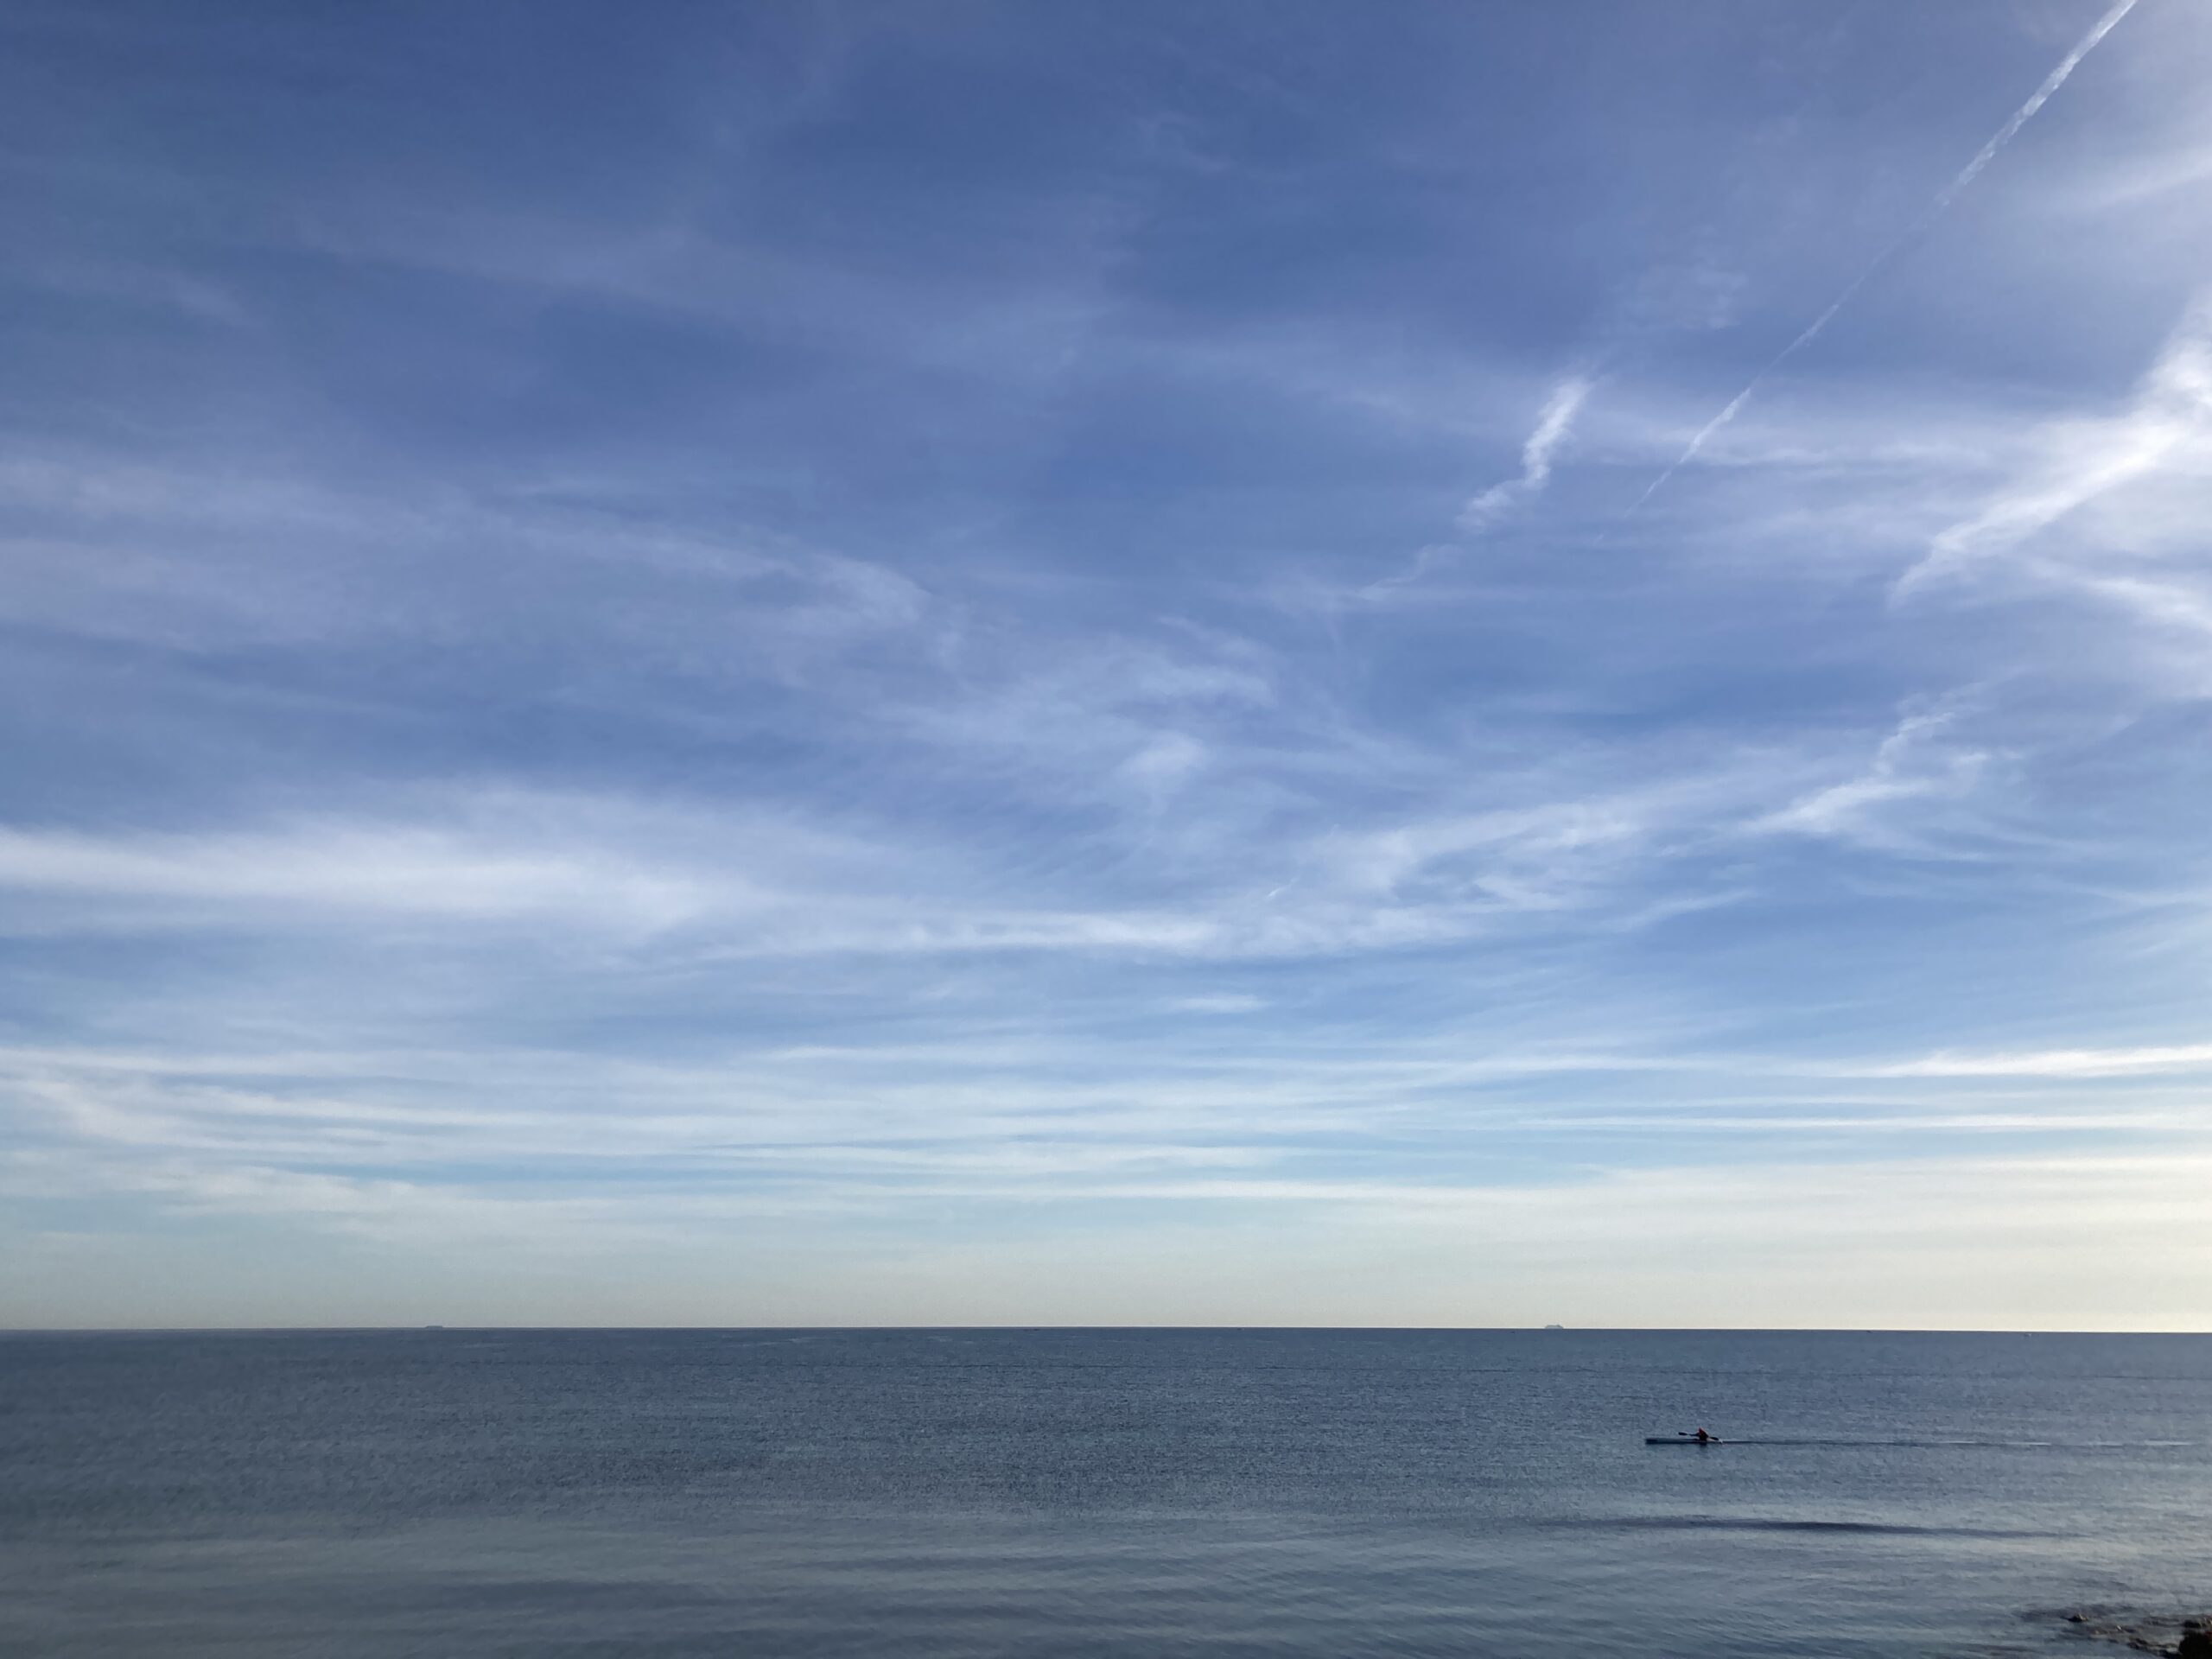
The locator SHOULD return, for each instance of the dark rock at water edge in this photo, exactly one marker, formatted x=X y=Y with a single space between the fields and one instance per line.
x=2169 y=1635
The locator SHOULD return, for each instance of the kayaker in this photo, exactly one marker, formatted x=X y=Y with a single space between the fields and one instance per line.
x=1701 y=1437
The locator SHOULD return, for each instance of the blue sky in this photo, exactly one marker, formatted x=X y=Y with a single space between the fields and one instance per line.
x=970 y=663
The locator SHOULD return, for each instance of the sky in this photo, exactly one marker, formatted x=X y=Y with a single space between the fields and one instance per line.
x=1249 y=663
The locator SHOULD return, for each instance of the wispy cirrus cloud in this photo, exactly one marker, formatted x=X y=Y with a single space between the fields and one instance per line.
x=1914 y=764
x=2056 y=1063
x=1555 y=425
x=2168 y=419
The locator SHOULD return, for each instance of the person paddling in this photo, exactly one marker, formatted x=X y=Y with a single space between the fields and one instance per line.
x=1703 y=1438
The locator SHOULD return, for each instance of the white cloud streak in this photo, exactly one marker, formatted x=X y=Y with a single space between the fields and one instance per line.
x=1911 y=764
x=1553 y=426
x=2054 y=1063
x=2172 y=410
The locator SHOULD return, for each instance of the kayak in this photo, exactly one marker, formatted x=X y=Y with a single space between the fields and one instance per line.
x=1682 y=1439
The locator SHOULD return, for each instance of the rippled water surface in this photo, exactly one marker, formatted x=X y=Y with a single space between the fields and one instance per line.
x=1095 y=1493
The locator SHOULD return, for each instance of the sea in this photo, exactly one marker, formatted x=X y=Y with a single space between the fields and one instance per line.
x=1098 y=1493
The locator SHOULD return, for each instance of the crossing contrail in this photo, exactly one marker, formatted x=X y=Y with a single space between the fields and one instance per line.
x=1944 y=197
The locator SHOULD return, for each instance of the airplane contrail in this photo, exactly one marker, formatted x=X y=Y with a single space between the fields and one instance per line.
x=1944 y=197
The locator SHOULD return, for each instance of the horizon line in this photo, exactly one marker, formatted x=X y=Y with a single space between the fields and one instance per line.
x=1310 y=1330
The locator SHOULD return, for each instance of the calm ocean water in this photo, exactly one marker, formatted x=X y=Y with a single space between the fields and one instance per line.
x=1093 y=1493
